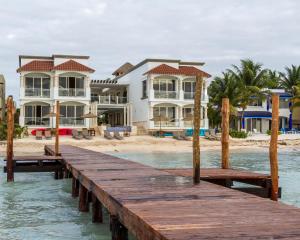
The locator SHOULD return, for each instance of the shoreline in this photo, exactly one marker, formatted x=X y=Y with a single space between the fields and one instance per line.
x=147 y=144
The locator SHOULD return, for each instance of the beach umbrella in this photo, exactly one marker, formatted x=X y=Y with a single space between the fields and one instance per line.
x=52 y=115
x=160 y=118
x=89 y=115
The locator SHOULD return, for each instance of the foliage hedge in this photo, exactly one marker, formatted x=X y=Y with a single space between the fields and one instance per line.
x=237 y=134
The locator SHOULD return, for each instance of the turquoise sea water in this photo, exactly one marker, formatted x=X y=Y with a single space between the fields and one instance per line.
x=36 y=206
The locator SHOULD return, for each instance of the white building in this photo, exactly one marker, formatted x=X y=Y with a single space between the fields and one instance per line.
x=43 y=80
x=258 y=115
x=153 y=89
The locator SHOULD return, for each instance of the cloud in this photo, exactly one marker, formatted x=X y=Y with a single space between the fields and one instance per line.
x=113 y=32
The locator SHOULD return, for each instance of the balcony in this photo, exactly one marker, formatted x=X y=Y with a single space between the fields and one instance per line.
x=172 y=123
x=36 y=121
x=69 y=121
x=165 y=94
x=189 y=95
x=37 y=92
x=71 y=92
x=107 y=100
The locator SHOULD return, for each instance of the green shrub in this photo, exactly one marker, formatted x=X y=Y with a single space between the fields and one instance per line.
x=237 y=134
x=269 y=132
x=18 y=131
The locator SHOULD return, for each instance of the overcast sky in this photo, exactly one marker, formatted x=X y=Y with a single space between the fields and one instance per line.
x=112 y=32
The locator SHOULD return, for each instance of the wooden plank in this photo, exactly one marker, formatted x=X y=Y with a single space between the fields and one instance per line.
x=36 y=158
x=10 y=139
x=225 y=133
x=154 y=204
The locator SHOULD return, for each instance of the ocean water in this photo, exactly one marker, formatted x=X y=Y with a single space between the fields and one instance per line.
x=36 y=206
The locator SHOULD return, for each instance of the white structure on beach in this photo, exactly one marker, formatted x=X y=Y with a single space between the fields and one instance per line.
x=154 y=94
x=258 y=115
x=43 y=80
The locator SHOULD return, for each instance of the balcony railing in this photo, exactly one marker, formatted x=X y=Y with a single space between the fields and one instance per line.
x=37 y=92
x=36 y=121
x=189 y=95
x=109 y=99
x=173 y=123
x=71 y=121
x=71 y=92
x=165 y=94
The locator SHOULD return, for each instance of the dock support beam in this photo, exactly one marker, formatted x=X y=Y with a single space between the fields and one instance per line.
x=57 y=129
x=10 y=139
x=225 y=133
x=196 y=140
x=75 y=187
x=273 y=147
x=97 y=216
x=83 y=199
x=118 y=230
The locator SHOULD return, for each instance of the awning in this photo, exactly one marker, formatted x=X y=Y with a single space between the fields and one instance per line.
x=255 y=114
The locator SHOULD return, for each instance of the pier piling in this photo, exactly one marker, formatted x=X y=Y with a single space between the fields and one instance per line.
x=118 y=230
x=10 y=139
x=196 y=139
x=273 y=147
x=97 y=216
x=225 y=133
x=57 y=129
x=83 y=199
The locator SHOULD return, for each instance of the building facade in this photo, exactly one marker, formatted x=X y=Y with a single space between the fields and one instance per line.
x=44 y=80
x=258 y=115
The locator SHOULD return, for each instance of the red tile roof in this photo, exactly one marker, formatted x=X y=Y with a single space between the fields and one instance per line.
x=182 y=70
x=36 y=65
x=47 y=66
x=72 y=65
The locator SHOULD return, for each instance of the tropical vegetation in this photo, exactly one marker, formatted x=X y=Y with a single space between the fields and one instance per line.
x=247 y=83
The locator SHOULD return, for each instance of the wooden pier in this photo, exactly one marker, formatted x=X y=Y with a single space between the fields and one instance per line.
x=156 y=204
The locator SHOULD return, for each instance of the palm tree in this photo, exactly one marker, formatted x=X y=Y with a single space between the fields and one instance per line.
x=273 y=79
x=224 y=86
x=290 y=81
x=252 y=78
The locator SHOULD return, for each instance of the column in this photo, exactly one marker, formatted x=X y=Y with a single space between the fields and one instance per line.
x=180 y=89
x=124 y=116
x=180 y=117
x=22 y=117
x=131 y=114
x=127 y=115
x=151 y=90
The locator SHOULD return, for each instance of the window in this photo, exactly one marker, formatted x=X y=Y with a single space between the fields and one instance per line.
x=37 y=87
x=189 y=89
x=71 y=115
x=35 y=115
x=256 y=103
x=71 y=86
x=144 y=89
x=164 y=88
x=164 y=116
x=284 y=103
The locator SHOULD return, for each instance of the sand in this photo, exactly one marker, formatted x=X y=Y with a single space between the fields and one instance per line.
x=31 y=146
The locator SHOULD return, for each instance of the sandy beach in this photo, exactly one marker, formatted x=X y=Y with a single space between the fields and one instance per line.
x=30 y=145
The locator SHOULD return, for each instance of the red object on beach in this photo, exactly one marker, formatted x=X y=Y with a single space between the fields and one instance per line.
x=62 y=131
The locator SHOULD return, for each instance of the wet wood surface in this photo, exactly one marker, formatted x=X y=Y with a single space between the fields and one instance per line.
x=155 y=204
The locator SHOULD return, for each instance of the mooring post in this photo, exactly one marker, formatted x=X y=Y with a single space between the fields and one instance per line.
x=57 y=129
x=273 y=147
x=10 y=139
x=225 y=133
x=118 y=230
x=83 y=199
x=196 y=139
x=75 y=187
x=97 y=216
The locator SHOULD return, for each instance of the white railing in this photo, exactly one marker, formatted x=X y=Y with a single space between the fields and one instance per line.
x=165 y=94
x=37 y=92
x=172 y=123
x=67 y=121
x=109 y=99
x=36 y=121
x=71 y=92
x=189 y=95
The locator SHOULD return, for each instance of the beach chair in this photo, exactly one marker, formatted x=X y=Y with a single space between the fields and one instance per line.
x=76 y=135
x=118 y=136
x=39 y=135
x=48 y=134
x=107 y=135
x=177 y=136
x=85 y=134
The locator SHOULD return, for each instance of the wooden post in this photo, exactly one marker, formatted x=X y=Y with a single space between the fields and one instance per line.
x=57 y=129
x=273 y=147
x=83 y=199
x=97 y=216
x=10 y=139
x=75 y=187
x=196 y=140
x=118 y=230
x=225 y=133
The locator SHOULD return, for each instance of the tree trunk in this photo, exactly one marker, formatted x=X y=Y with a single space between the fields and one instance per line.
x=225 y=133
x=10 y=139
x=196 y=140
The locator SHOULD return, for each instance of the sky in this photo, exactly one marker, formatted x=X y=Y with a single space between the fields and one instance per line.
x=112 y=32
